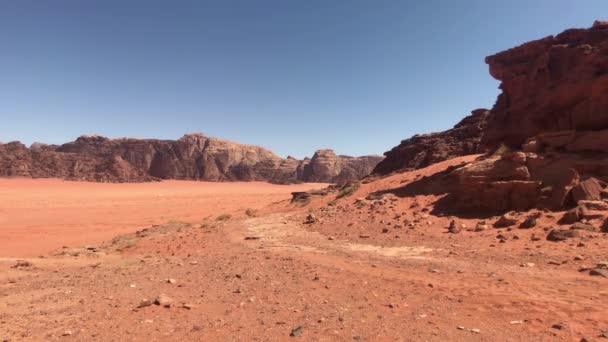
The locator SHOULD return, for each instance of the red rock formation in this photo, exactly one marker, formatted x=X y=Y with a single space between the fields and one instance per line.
x=558 y=83
x=327 y=167
x=194 y=156
x=554 y=106
x=423 y=150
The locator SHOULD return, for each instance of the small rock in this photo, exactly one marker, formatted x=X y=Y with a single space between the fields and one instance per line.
x=599 y=272
x=519 y=321
x=530 y=222
x=453 y=228
x=296 y=331
x=476 y=331
x=363 y=236
x=556 y=235
x=527 y=264
x=594 y=205
x=460 y=327
x=310 y=219
x=582 y=226
x=188 y=306
x=579 y=257
x=22 y=264
x=506 y=220
x=164 y=300
x=481 y=227
x=573 y=215
x=558 y=326
x=145 y=302
x=171 y=281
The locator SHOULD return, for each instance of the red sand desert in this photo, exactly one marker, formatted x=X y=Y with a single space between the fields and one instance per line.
x=40 y=215
x=357 y=272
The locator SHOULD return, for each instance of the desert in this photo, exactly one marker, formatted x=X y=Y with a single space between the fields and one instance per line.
x=494 y=229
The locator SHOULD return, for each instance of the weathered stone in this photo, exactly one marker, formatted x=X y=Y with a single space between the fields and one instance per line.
x=530 y=222
x=561 y=234
x=573 y=215
x=551 y=84
x=453 y=228
x=164 y=300
x=310 y=219
x=587 y=190
x=594 y=205
x=599 y=272
x=425 y=149
x=561 y=192
x=582 y=226
x=506 y=220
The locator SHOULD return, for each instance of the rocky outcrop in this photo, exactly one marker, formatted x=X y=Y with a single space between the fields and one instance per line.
x=558 y=83
x=326 y=166
x=194 y=157
x=553 y=109
x=423 y=150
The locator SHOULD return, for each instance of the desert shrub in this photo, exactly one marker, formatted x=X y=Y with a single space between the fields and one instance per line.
x=348 y=190
x=223 y=217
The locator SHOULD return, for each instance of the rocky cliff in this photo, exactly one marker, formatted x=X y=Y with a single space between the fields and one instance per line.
x=194 y=156
x=425 y=149
x=551 y=124
x=327 y=167
x=557 y=83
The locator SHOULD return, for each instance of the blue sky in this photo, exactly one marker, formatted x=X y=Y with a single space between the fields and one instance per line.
x=292 y=76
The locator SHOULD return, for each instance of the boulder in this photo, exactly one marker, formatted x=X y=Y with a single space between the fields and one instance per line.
x=557 y=235
x=506 y=220
x=582 y=226
x=587 y=190
x=594 y=205
x=561 y=192
x=573 y=215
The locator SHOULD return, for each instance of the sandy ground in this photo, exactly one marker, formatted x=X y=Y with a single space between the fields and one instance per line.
x=361 y=273
x=40 y=215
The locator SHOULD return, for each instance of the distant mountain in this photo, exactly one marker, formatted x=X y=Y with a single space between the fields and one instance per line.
x=194 y=157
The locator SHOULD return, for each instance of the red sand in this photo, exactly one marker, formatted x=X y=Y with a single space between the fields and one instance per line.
x=359 y=274
x=40 y=215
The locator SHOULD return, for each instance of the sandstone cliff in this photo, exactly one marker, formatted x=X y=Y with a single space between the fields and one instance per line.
x=425 y=149
x=327 y=167
x=194 y=156
x=551 y=121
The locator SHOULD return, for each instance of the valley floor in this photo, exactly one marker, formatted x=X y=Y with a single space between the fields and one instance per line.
x=267 y=276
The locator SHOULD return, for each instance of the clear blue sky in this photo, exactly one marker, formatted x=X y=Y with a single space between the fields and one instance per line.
x=290 y=75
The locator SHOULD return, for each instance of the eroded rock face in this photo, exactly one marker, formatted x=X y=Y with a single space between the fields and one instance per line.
x=558 y=83
x=423 y=150
x=327 y=167
x=194 y=156
x=553 y=114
